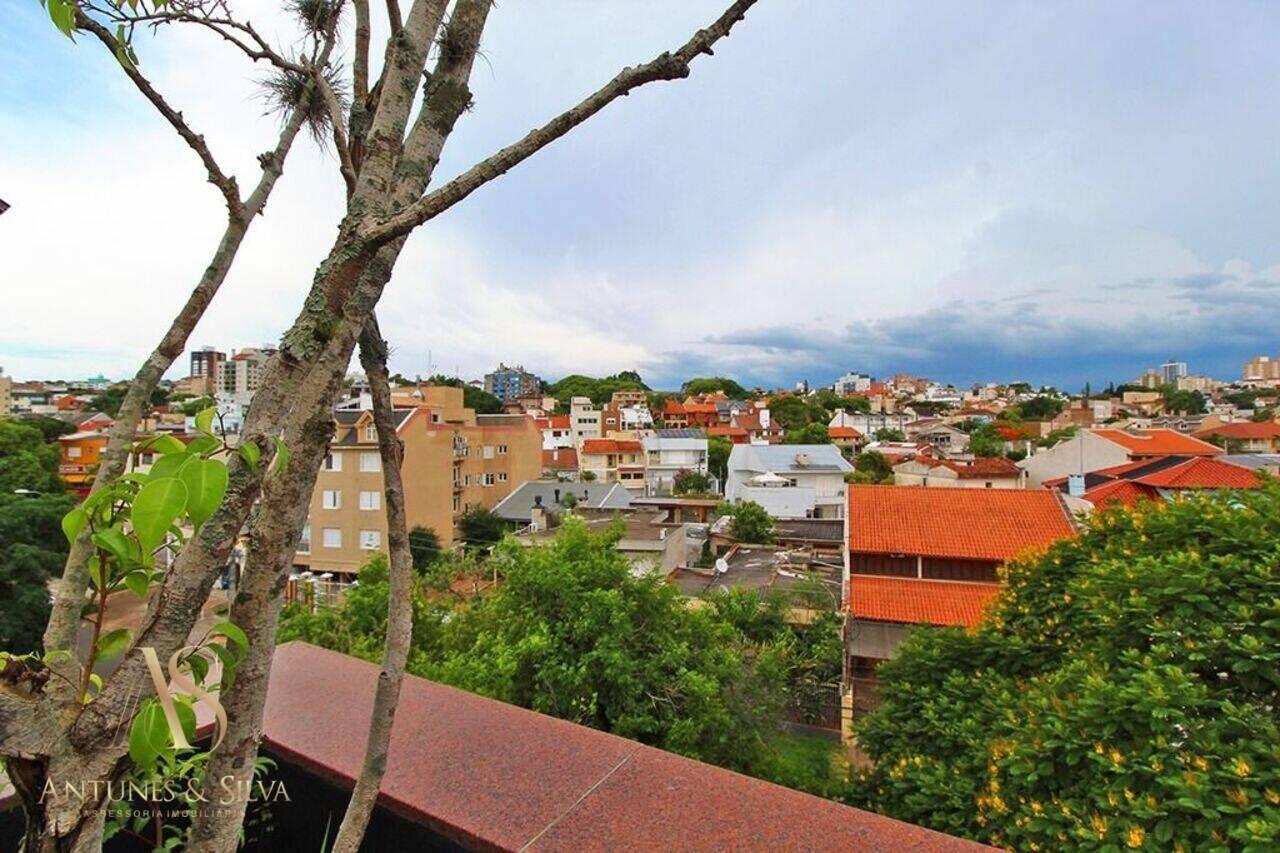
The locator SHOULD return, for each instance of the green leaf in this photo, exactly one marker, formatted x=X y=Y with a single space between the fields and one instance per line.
x=202 y=445
x=206 y=482
x=165 y=444
x=156 y=507
x=229 y=663
x=168 y=466
x=199 y=667
x=282 y=455
x=250 y=453
x=73 y=522
x=148 y=735
x=233 y=633
x=204 y=420
x=114 y=541
x=112 y=643
x=138 y=582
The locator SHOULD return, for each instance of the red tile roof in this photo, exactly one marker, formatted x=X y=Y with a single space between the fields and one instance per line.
x=1158 y=442
x=843 y=432
x=1201 y=473
x=1243 y=430
x=611 y=445
x=1119 y=492
x=974 y=524
x=672 y=407
x=560 y=459
x=919 y=602
x=560 y=422
x=488 y=775
x=730 y=431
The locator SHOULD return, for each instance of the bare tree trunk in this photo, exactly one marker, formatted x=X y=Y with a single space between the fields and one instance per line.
x=400 y=598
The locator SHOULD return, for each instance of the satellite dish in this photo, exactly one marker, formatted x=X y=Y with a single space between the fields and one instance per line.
x=722 y=565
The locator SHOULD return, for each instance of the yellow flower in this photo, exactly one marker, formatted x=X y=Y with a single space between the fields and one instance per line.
x=1128 y=795
x=1099 y=824
x=1036 y=807
x=1200 y=763
x=1117 y=757
x=1272 y=797
x=1135 y=837
x=1238 y=796
x=1242 y=767
x=1113 y=799
x=1099 y=748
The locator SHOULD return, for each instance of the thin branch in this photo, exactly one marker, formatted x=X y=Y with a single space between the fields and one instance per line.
x=360 y=65
x=667 y=66
x=393 y=16
x=339 y=135
x=224 y=182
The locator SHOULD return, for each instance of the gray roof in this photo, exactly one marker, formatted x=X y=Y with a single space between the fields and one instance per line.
x=810 y=529
x=1255 y=461
x=783 y=457
x=518 y=505
x=687 y=432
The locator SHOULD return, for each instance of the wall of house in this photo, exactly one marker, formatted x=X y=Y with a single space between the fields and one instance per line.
x=1084 y=452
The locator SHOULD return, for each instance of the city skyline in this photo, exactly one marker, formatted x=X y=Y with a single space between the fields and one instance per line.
x=1028 y=203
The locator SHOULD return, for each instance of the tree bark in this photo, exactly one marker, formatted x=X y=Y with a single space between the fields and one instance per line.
x=400 y=598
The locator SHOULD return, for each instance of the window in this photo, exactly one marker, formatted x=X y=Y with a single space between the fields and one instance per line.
x=304 y=541
x=502 y=450
x=332 y=499
x=73 y=452
x=486 y=479
x=371 y=500
x=502 y=477
x=435 y=417
x=370 y=540
x=370 y=432
x=332 y=537
x=370 y=462
x=457 y=504
x=332 y=462
x=488 y=451
x=146 y=458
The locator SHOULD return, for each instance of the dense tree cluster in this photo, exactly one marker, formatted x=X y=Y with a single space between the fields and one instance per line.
x=599 y=390
x=1122 y=693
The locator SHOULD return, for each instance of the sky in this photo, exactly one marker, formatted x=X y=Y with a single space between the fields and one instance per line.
x=1047 y=192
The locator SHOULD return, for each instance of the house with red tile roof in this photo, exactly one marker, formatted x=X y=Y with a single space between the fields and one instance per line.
x=613 y=460
x=468 y=772
x=1095 y=449
x=1245 y=436
x=979 y=473
x=929 y=556
x=1160 y=478
x=560 y=462
x=844 y=436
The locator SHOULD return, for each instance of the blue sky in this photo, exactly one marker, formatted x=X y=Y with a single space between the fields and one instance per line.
x=1055 y=192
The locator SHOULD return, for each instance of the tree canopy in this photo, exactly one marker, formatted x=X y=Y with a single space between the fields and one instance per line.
x=475 y=398
x=32 y=550
x=27 y=459
x=751 y=523
x=1040 y=408
x=599 y=390
x=708 y=384
x=871 y=466
x=1122 y=693
x=479 y=527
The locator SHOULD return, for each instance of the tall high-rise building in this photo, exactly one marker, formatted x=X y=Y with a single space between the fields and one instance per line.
x=1171 y=371
x=509 y=384
x=1263 y=369
x=206 y=361
x=241 y=375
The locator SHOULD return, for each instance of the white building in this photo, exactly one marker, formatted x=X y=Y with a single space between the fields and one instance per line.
x=241 y=375
x=584 y=420
x=852 y=383
x=1096 y=449
x=670 y=451
x=789 y=480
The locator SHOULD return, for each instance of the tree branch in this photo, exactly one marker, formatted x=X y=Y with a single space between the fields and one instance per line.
x=339 y=135
x=393 y=16
x=667 y=66
x=400 y=597
x=226 y=184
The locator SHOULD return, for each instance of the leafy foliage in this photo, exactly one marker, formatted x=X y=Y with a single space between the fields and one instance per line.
x=1039 y=408
x=688 y=482
x=751 y=523
x=32 y=551
x=889 y=434
x=985 y=441
x=718 y=450
x=1121 y=694
x=475 y=398
x=871 y=466
x=599 y=390
x=480 y=528
x=28 y=460
x=709 y=384
x=424 y=545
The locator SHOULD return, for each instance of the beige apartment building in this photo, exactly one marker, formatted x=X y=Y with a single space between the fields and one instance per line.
x=453 y=459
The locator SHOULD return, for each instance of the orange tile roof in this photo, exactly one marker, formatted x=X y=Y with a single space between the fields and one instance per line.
x=560 y=458
x=1119 y=492
x=843 y=432
x=1243 y=429
x=974 y=524
x=1158 y=442
x=560 y=422
x=610 y=445
x=727 y=430
x=919 y=602
x=1201 y=473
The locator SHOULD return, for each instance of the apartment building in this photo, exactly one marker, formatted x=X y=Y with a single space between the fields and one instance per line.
x=6 y=394
x=453 y=459
x=509 y=384
x=670 y=451
x=789 y=480
x=241 y=375
x=584 y=420
x=1262 y=370
x=626 y=411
